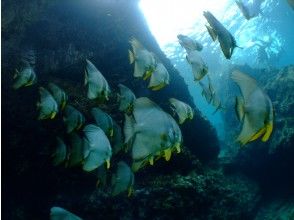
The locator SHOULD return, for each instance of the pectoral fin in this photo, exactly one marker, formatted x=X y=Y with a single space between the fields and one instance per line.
x=211 y=32
x=239 y=108
x=131 y=57
x=148 y=73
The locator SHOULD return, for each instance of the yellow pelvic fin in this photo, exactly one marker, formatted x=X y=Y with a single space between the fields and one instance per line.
x=158 y=87
x=79 y=126
x=190 y=116
x=86 y=78
x=148 y=73
x=97 y=183
x=167 y=154
x=130 y=191
x=108 y=163
x=151 y=160
x=111 y=132
x=29 y=83
x=178 y=147
x=53 y=114
x=63 y=104
x=269 y=129
x=131 y=57
x=258 y=134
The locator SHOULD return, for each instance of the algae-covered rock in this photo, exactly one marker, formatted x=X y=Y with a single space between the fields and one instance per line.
x=280 y=88
x=63 y=34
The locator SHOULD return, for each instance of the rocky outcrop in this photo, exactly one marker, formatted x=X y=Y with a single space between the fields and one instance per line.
x=280 y=88
x=268 y=162
x=63 y=34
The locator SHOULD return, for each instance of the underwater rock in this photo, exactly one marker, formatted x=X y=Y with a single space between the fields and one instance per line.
x=280 y=88
x=282 y=209
x=63 y=34
x=207 y=195
x=268 y=163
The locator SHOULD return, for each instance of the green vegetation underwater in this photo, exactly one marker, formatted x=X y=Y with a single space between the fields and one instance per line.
x=102 y=121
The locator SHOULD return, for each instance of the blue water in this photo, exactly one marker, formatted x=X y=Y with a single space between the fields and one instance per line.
x=265 y=40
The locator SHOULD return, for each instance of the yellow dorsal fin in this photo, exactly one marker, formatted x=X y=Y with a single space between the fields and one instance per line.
x=269 y=129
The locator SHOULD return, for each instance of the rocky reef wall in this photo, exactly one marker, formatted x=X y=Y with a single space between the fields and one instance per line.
x=63 y=34
x=269 y=163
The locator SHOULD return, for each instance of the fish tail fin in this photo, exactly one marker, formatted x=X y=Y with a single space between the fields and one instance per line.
x=131 y=57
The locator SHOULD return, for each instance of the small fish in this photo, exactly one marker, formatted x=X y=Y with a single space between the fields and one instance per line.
x=188 y=43
x=206 y=92
x=97 y=149
x=216 y=102
x=97 y=85
x=58 y=213
x=73 y=119
x=117 y=141
x=59 y=155
x=122 y=180
x=26 y=77
x=47 y=105
x=76 y=151
x=103 y=120
x=199 y=68
x=159 y=78
x=254 y=109
x=183 y=110
x=58 y=94
x=217 y=31
x=126 y=99
x=249 y=10
x=144 y=60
